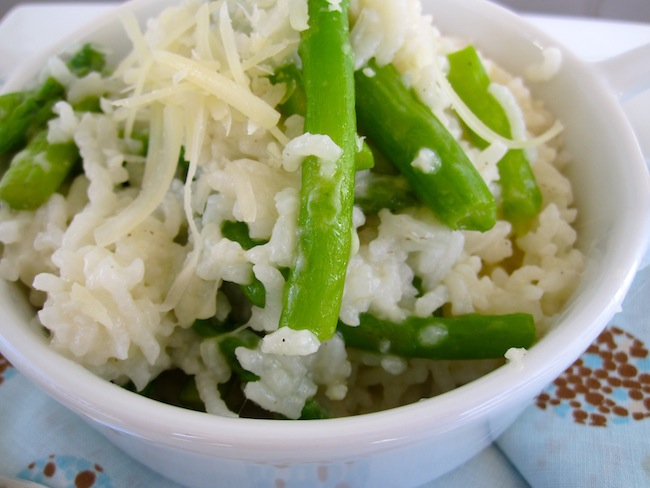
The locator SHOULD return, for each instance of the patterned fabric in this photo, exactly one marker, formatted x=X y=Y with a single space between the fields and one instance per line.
x=66 y=471
x=42 y=441
x=609 y=384
x=591 y=426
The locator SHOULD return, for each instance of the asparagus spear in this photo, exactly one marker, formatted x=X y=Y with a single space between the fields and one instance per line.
x=315 y=286
x=364 y=158
x=408 y=134
x=39 y=169
x=29 y=116
x=522 y=198
x=10 y=102
x=469 y=336
x=375 y=191
x=23 y=114
x=294 y=102
x=36 y=172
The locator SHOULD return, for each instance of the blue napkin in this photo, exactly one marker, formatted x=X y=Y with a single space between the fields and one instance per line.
x=44 y=442
x=591 y=426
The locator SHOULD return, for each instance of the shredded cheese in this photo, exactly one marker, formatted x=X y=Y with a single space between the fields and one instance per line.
x=230 y=46
x=514 y=113
x=140 y=51
x=162 y=159
x=267 y=53
x=224 y=88
x=159 y=95
x=202 y=33
x=195 y=126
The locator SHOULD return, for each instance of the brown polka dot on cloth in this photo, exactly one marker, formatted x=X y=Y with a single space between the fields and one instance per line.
x=608 y=384
x=66 y=471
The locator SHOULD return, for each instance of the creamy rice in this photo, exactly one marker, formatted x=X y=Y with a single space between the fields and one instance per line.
x=123 y=264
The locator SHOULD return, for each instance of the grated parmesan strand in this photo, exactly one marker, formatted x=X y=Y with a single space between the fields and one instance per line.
x=267 y=53
x=140 y=52
x=230 y=46
x=235 y=95
x=162 y=159
x=202 y=33
x=482 y=130
x=196 y=119
x=140 y=49
x=158 y=95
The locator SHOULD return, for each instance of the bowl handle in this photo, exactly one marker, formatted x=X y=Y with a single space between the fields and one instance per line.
x=628 y=73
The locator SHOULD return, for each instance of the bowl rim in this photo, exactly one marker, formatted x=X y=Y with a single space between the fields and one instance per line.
x=127 y=412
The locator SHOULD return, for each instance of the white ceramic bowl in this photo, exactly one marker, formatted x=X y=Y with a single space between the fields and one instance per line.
x=412 y=444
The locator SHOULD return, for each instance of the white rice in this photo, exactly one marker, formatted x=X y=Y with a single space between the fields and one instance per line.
x=122 y=304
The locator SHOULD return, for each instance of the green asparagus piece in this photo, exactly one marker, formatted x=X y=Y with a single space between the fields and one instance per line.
x=36 y=172
x=238 y=232
x=255 y=292
x=294 y=101
x=207 y=327
x=230 y=342
x=88 y=104
x=20 y=121
x=314 y=289
x=469 y=336
x=313 y=410
x=212 y=327
x=522 y=199
x=29 y=116
x=228 y=339
x=404 y=130
x=374 y=191
x=86 y=60
x=364 y=158
x=10 y=102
